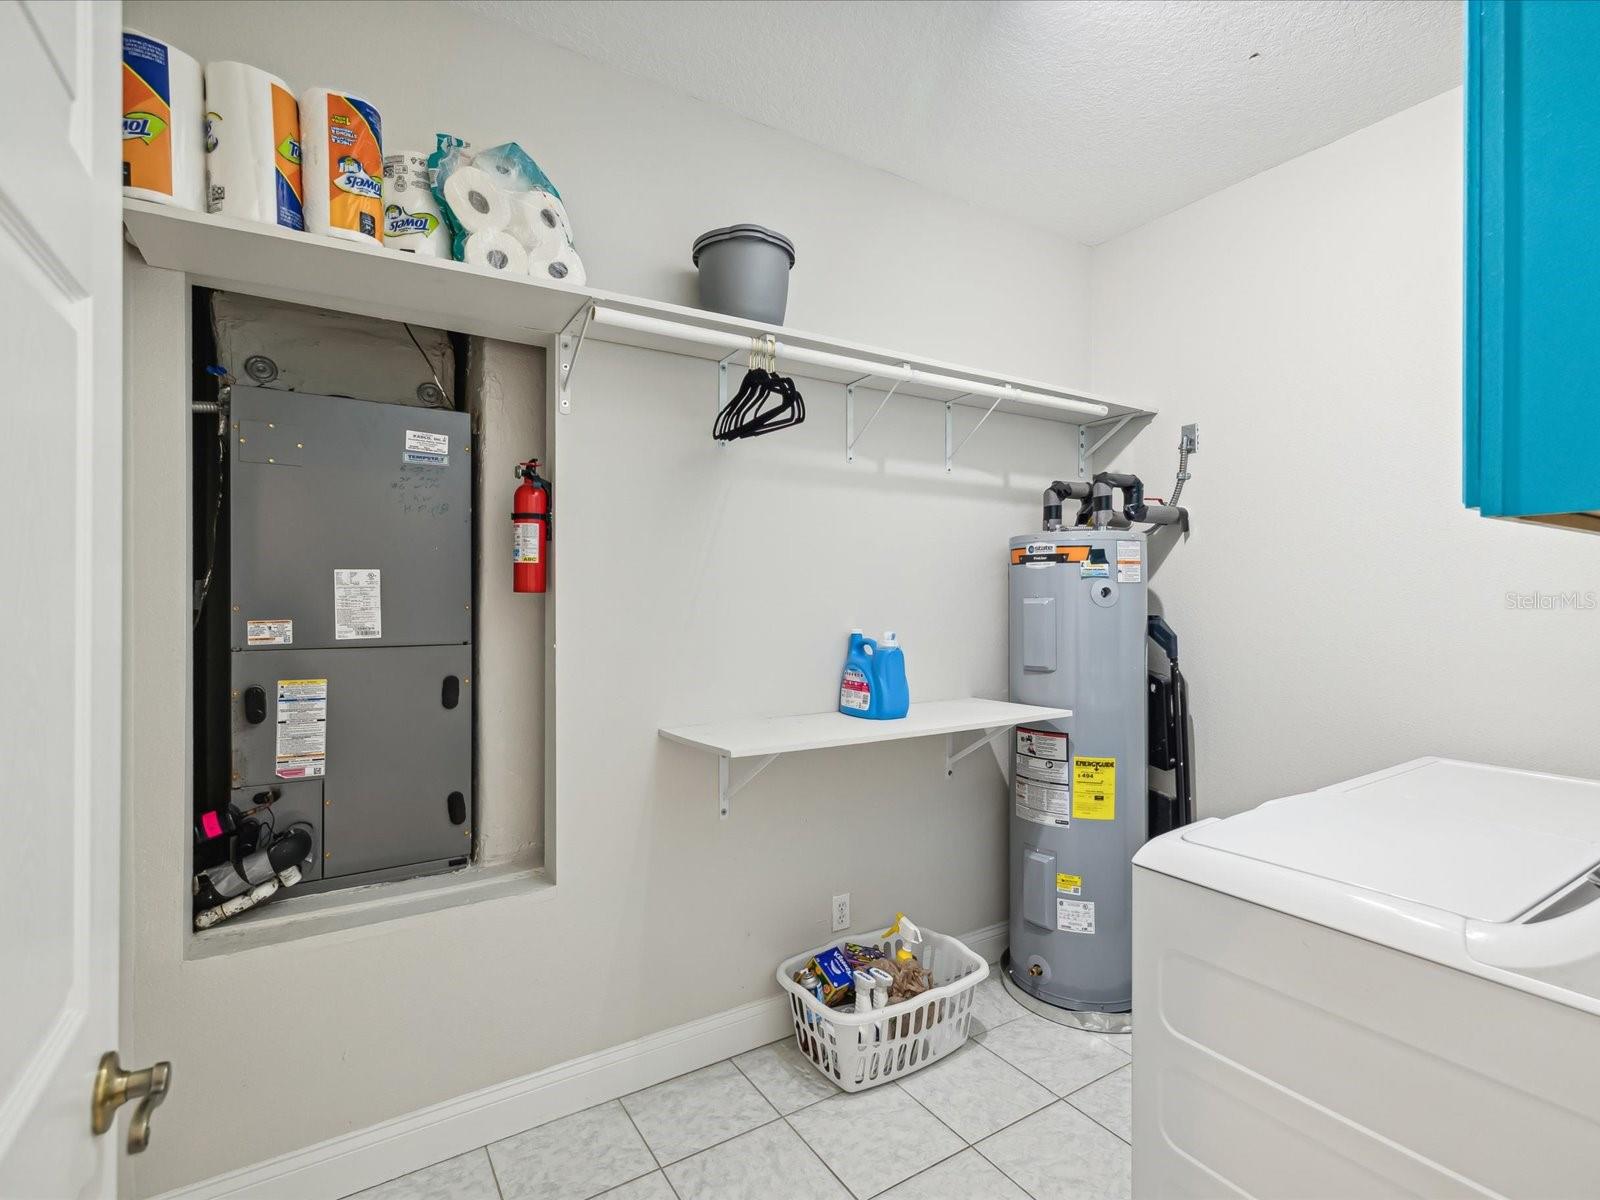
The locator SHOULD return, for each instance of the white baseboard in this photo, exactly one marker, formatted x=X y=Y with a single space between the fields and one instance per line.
x=345 y=1164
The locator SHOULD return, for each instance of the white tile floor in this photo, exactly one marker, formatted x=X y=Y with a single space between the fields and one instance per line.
x=1026 y=1109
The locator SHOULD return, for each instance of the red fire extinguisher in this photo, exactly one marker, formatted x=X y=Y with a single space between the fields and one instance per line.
x=530 y=520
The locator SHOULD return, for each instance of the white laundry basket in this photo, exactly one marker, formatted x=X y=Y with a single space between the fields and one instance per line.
x=861 y=1050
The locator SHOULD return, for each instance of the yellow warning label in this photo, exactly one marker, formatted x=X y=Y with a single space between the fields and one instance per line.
x=1072 y=885
x=1094 y=789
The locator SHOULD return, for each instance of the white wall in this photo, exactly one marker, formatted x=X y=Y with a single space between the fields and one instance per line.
x=1339 y=610
x=691 y=582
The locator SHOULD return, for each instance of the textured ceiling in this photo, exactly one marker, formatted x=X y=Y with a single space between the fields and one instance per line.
x=1089 y=118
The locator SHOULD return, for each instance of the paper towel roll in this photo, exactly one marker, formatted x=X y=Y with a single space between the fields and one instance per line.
x=564 y=266
x=536 y=222
x=252 y=146
x=476 y=201
x=163 y=123
x=341 y=146
x=411 y=217
x=496 y=250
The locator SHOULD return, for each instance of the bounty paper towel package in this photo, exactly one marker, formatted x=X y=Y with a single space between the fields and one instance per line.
x=252 y=146
x=341 y=144
x=163 y=118
x=411 y=217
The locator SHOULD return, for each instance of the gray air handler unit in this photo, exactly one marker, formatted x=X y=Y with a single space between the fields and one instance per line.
x=348 y=644
x=1081 y=804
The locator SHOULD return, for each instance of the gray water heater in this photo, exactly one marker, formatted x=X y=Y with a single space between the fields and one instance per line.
x=1079 y=798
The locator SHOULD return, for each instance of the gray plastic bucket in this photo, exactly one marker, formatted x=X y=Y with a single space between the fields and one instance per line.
x=744 y=272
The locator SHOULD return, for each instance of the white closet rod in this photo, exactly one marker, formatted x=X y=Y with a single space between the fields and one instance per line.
x=859 y=366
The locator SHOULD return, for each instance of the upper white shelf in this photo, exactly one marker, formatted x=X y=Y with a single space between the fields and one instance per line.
x=765 y=738
x=301 y=268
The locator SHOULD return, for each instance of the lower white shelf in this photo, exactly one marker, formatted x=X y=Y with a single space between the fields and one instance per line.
x=765 y=738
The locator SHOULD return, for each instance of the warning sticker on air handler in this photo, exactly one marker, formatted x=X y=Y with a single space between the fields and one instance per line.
x=302 y=728
x=1094 y=789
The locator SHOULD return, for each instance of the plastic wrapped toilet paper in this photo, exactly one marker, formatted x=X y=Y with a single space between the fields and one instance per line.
x=564 y=266
x=496 y=250
x=476 y=200
x=163 y=123
x=252 y=146
x=537 y=221
x=411 y=217
x=341 y=144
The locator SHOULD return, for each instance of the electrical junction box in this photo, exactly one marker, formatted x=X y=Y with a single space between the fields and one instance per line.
x=350 y=542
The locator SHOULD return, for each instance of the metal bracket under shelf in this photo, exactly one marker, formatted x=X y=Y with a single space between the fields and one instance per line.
x=989 y=737
x=569 y=344
x=1087 y=450
x=951 y=446
x=726 y=790
x=851 y=436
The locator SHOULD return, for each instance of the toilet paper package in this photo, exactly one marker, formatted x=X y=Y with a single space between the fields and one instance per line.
x=539 y=222
x=496 y=250
x=411 y=217
x=163 y=123
x=563 y=266
x=501 y=190
x=341 y=145
x=252 y=146
x=476 y=203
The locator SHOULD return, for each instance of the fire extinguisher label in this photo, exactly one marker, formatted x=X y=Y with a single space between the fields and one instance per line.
x=427 y=449
x=526 y=547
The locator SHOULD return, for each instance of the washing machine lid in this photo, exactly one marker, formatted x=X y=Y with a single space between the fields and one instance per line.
x=1480 y=842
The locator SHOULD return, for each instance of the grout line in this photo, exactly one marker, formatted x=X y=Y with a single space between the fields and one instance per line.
x=964 y=1148
x=648 y=1148
x=814 y=1100
x=932 y=1114
x=1096 y=1120
x=493 y=1174
x=812 y=1150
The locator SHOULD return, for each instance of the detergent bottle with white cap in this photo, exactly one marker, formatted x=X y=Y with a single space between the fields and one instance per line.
x=893 y=693
x=858 y=687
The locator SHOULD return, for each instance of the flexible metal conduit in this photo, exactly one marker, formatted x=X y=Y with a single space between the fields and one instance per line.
x=859 y=366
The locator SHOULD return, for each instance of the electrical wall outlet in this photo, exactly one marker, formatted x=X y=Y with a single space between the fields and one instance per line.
x=841 y=913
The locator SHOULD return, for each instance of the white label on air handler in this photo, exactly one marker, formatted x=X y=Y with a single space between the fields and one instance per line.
x=357 y=605
x=427 y=449
x=269 y=632
x=1074 y=916
x=302 y=728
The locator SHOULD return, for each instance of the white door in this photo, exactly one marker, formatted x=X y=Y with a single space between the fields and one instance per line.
x=60 y=587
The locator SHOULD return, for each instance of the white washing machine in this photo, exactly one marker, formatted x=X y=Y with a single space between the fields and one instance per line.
x=1388 y=987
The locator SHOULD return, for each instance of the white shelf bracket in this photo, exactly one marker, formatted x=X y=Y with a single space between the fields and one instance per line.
x=851 y=437
x=987 y=738
x=726 y=790
x=1087 y=449
x=570 y=345
x=951 y=450
x=722 y=387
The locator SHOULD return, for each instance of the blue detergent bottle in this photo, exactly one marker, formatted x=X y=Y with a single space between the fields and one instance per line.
x=858 y=688
x=893 y=694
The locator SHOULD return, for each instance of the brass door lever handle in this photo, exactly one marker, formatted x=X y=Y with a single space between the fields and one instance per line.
x=114 y=1087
